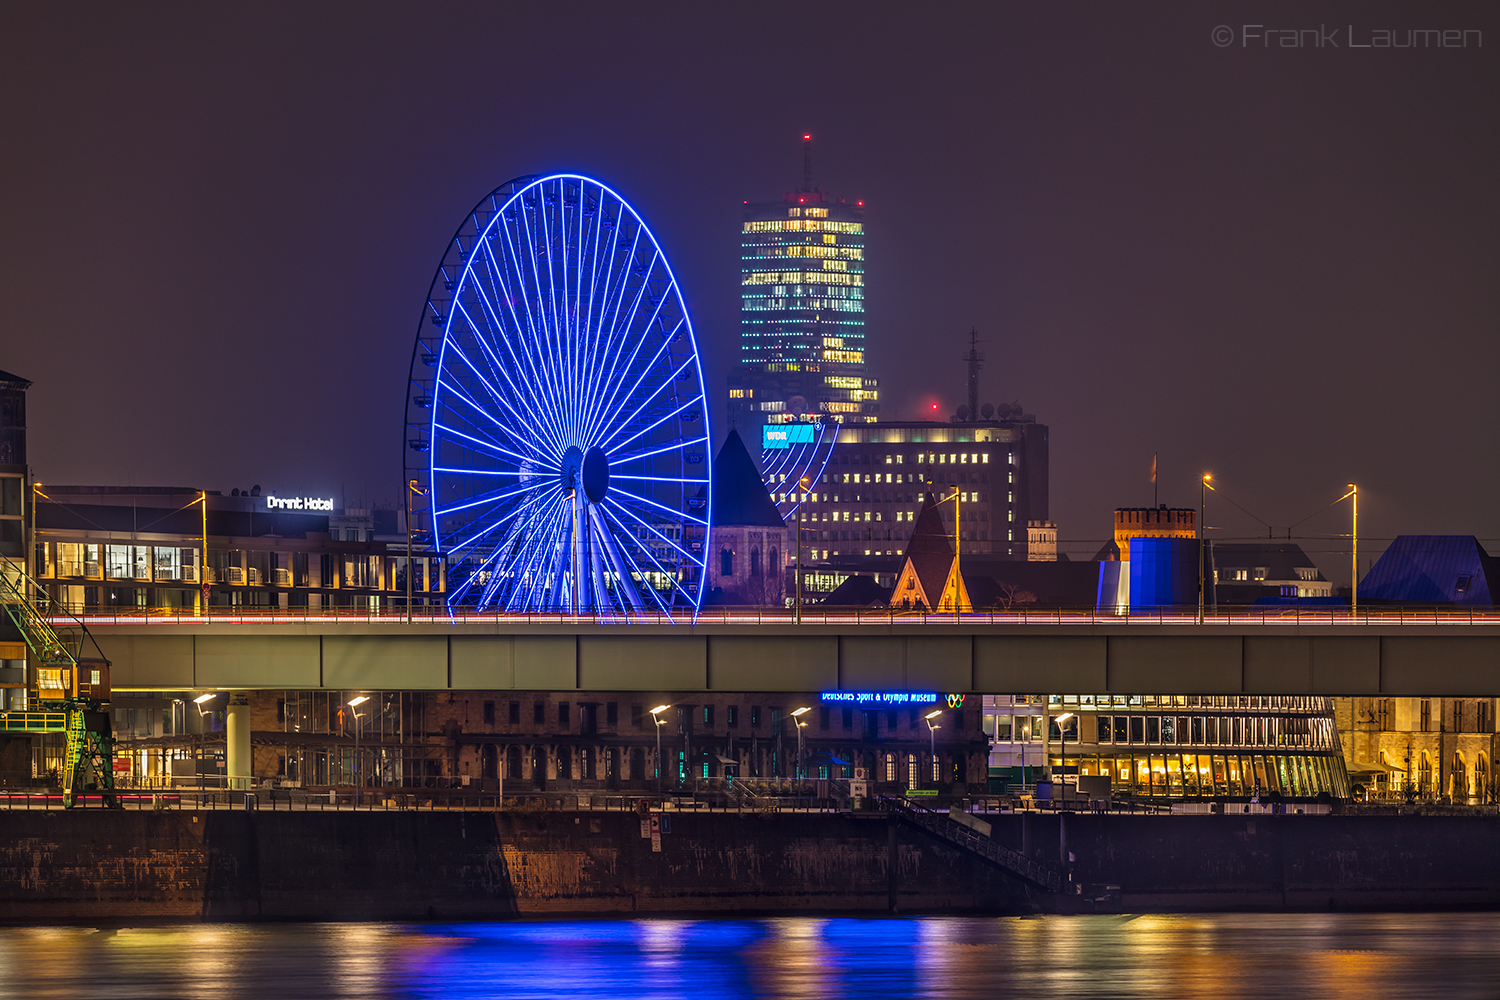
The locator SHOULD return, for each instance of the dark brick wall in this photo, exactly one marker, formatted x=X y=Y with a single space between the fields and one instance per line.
x=96 y=865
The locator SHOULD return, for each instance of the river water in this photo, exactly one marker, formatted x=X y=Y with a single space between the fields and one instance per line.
x=1217 y=955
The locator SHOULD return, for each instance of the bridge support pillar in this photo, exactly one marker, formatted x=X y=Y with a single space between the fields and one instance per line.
x=237 y=741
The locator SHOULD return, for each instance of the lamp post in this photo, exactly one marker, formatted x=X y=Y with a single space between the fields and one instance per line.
x=203 y=561
x=1353 y=497
x=797 y=527
x=958 y=578
x=800 y=771
x=358 y=762
x=200 y=701
x=1062 y=759
x=932 y=729
x=1205 y=486
x=656 y=718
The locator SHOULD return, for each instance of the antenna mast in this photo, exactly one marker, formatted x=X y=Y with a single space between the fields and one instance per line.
x=807 y=184
x=976 y=362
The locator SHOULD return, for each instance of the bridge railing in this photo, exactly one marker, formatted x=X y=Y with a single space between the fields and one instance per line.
x=1383 y=616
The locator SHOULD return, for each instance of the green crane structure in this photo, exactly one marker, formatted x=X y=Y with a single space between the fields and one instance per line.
x=66 y=691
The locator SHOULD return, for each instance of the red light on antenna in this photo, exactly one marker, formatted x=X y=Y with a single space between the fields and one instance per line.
x=800 y=200
x=934 y=406
x=807 y=137
x=860 y=203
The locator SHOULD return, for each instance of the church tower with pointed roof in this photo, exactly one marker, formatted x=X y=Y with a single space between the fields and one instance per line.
x=747 y=555
x=929 y=578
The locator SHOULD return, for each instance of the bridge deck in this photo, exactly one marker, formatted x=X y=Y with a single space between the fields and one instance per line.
x=1411 y=655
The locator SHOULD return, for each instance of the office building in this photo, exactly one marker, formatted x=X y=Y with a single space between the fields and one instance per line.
x=133 y=548
x=1170 y=747
x=802 y=311
x=866 y=501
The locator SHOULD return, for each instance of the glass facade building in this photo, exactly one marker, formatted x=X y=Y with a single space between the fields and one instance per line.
x=802 y=313
x=1171 y=747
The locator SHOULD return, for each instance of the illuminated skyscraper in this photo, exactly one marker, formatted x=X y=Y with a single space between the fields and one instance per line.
x=802 y=311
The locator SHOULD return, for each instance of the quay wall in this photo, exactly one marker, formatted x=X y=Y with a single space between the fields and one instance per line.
x=99 y=866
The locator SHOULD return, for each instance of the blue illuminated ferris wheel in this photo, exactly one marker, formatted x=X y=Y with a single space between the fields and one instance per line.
x=557 y=440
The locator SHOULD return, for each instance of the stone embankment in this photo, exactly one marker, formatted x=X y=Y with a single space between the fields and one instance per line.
x=98 y=866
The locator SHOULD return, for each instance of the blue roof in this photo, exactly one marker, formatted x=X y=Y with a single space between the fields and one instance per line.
x=1431 y=569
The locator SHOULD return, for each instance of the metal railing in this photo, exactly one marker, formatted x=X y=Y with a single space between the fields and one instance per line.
x=1246 y=616
x=979 y=844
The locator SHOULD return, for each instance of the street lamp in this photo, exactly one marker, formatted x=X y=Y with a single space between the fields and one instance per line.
x=1202 y=501
x=958 y=578
x=1354 y=551
x=358 y=764
x=932 y=729
x=1062 y=759
x=200 y=701
x=797 y=526
x=656 y=718
x=801 y=770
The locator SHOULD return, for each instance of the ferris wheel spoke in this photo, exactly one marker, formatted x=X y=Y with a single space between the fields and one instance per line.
x=664 y=385
x=616 y=378
x=526 y=261
x=543 y=543
x=548 y=461
x=495 y=362
x=491 y=499
x=651 y=427
x=638 y=545
x=493 y=266
x=474 y=538
x=626 y=584
x=618 y=460
x=652 y=503
x=547 y=332
x=656 y=531
x=645 y=578
x=539 y=449
x=500 y=399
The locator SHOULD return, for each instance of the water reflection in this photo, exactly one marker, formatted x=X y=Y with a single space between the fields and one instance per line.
x=1221 y=955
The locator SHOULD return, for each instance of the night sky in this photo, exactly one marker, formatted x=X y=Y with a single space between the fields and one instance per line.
x=218 y=224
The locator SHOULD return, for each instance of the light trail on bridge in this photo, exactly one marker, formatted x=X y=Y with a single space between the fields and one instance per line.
x=1384 y=617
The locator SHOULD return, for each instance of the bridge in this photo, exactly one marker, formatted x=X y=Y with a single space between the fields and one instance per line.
x=1397 y=653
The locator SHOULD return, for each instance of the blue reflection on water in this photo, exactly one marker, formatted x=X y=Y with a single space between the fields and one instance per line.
x=1354 y=956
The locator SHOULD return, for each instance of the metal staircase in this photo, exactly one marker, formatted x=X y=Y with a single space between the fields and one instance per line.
x=67 y=692
x=956 y=834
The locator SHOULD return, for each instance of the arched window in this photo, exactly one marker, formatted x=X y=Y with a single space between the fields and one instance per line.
x=1424 y=775
x=755 y=560
x=489 y=761
x=773 y=562
x=1458 y=784
x=1482 y=779
x=726 y=562
x=513 y=763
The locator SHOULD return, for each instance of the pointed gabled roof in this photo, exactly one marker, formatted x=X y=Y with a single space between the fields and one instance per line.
x=929 y=551
x=739 y=495
x=10 y=381
x=1432 y=569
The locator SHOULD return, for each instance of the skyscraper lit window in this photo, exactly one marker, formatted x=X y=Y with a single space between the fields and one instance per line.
x=802 y=311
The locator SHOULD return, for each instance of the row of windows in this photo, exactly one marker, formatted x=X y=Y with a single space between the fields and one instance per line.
x=803 y=226
x=1215 y=730
x=759 y=304
x=1207 y=775
x=814 y=250
x=802 y=291
x=829 y=277
x=690 y=718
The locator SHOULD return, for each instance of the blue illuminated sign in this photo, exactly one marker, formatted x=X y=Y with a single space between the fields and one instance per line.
x=786 y=435
x=882 y=697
